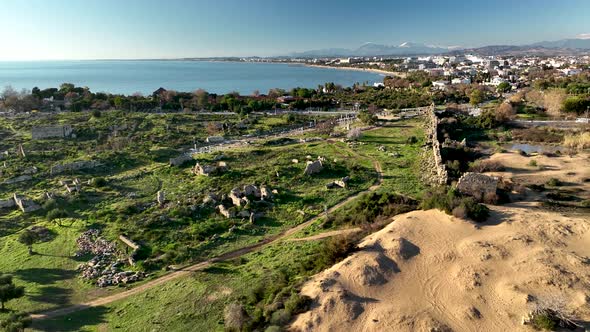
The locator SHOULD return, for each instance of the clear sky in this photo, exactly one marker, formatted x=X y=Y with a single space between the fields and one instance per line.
x=108 y=29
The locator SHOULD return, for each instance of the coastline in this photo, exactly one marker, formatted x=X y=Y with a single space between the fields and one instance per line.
x=370 y=70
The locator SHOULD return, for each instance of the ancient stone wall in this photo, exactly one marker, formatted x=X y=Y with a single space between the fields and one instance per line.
x=435 y=163
x=51 y=132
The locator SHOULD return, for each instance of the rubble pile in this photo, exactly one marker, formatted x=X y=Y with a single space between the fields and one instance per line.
x=105 y=267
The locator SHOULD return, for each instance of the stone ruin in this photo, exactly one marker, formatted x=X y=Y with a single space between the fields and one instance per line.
x=160 y=197
x=71 y=186
x=105 y=268
x=207 y=170
x=228 y=213
x=342 y=183
x=241 y=198
x=313 y=167
x=52 y=132
x=178 y=161
x=24 y=204
x=433 y=164
x=215 y=139
x=480 y=186
x=74 y=166
x=131 y=244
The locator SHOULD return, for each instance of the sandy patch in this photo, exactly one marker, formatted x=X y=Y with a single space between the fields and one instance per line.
x=427 y=271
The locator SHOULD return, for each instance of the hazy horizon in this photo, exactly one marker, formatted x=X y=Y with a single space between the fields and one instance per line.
x=154 y=29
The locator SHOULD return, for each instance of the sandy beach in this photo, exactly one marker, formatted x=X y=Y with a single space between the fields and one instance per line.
x=376 y=71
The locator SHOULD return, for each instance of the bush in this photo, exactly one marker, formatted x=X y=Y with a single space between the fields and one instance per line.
x=481 y=166
x=533 y=163
x=553 y=182
x=16 y=322
x=56 y=213
x=451 y=202
x=98 y=182
x=544 y=322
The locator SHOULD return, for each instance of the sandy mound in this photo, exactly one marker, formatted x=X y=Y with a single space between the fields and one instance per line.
x=427 y=271
x=572 y=171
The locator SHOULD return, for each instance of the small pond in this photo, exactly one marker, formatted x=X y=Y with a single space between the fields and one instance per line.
x=532 y=148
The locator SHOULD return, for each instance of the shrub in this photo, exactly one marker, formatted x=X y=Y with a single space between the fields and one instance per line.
x=533 y=163
x=56 y=213
x=544 y=322
x=98 y=182
x=16 y=322
x=354 y=134
x=577 y=141
x=553 y=182
x=451 y=202
x=481 y=166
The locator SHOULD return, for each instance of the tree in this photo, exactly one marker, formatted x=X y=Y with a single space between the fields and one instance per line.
x=505 y=112
x=476 y=97
x=367 y=118
x=28 y=238
x=9 y=290
x=503 y=87
x=16 y=322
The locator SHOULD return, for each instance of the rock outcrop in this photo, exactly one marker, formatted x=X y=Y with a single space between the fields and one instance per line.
x=480 y=186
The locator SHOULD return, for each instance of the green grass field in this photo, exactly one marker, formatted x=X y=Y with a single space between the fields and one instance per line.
x=196 y=303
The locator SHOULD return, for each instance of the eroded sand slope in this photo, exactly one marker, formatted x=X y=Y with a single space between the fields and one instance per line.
x=428 y=271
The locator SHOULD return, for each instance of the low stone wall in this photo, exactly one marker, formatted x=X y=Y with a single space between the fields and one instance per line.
x=51 y=132
x=434 y=164
x=74 y=166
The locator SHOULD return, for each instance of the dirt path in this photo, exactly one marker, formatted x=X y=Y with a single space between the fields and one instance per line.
x=203 y=265
x=325 y=235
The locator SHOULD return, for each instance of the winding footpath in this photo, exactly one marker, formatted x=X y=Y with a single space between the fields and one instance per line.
x=203 y=265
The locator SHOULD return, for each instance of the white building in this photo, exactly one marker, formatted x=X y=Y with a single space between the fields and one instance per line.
x=441 y=85
x=461 y=80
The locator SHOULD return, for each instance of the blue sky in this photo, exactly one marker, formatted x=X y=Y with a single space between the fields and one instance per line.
x=107 y=29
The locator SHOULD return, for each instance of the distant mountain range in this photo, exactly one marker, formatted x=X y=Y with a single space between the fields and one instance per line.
x=564 y=46
x=372 y=49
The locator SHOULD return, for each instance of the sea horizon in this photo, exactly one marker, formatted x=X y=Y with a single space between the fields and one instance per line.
x=146 y=76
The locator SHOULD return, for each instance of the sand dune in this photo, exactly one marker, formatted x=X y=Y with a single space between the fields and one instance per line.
x=427 y=271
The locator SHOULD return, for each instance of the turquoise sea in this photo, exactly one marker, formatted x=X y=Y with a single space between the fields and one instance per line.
x=127 y=77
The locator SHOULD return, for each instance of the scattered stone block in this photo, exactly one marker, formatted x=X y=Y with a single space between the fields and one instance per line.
x=160 y=197
x=477 y=185
x=215 y=139
x=228 y=213
x=25 y=204
x=313 y=167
